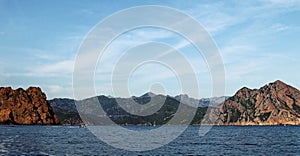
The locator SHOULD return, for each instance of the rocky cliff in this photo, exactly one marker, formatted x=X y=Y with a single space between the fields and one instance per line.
x=274 y=104
x=25 y=107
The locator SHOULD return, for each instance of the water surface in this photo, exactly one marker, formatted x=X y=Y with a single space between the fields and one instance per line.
x=62 y=140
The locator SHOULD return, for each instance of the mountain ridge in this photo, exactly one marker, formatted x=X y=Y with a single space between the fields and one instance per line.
x=246 y=107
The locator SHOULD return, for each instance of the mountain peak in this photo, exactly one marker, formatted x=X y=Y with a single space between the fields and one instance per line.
x=278 y=83
x=181 y=96
x=277 y=86
x=148 y=94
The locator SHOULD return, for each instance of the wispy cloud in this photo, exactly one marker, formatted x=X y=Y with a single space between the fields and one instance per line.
x=212 y=19
x=283 y=3
x=279 y=27
x=88 y=12
x=62 y=67
x=219 y=16
x=54 y=89
x=131 y=39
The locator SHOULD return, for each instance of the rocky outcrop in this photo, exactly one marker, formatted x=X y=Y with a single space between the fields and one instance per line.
x=25 y=107
x=274 y=104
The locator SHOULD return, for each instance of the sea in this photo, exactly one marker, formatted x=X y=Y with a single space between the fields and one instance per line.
x=220 y=140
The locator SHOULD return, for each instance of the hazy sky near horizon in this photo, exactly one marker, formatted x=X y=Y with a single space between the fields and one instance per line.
x=39 y=40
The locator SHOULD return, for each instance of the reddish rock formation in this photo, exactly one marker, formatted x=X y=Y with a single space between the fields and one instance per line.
x=26 y=107
x=274 y=104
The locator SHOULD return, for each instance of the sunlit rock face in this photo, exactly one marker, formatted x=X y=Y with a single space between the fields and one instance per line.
x=25 y=107
x=274 y=104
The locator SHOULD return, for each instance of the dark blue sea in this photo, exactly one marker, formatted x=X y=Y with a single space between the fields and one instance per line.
x=64 y=140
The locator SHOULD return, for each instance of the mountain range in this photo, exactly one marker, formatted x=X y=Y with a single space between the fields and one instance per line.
x=67 y=112
x=273 y=104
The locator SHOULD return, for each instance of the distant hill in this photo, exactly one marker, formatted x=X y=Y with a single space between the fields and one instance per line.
x=66 y=111
x=274 y=104
x=68 y=115
x=204 y=102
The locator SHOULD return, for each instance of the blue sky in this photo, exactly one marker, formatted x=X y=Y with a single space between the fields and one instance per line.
x=39 y=40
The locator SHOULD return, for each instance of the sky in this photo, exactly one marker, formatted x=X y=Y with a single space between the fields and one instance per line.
x=39 y=41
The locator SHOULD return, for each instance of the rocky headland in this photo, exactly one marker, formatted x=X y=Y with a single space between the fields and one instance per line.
x=25 y=107
x=274 y=104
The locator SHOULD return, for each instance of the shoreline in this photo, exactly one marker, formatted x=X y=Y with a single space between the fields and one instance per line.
x=82 y=126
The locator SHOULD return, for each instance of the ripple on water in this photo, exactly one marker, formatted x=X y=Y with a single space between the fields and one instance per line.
x=72 y=140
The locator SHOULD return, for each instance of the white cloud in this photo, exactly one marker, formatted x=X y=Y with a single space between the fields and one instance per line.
x=56 y=69
x=284 y=3
x=237 y=72
x=65 y=66
x=54 y=88
x=213 y=18
x=88 y=12
x=279 y=27
x=54 y=91
x=218 y=17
